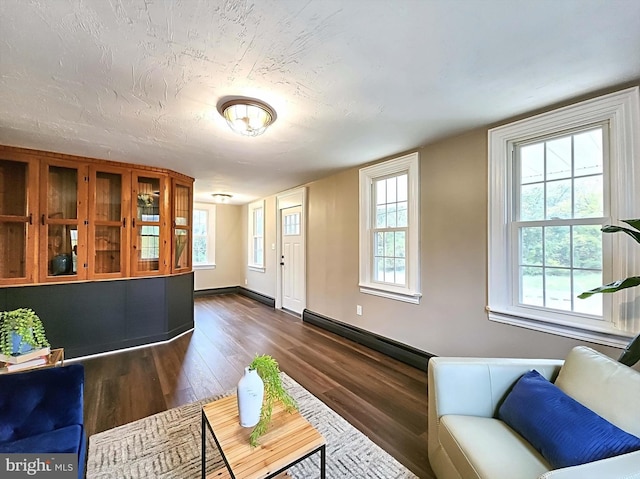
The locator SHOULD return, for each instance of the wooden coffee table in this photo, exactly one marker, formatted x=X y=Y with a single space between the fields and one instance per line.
x=289 y=440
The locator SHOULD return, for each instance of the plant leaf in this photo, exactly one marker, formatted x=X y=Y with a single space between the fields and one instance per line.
x=614 y=229
x=633 y=223
x=631 y=354
x=612 y=287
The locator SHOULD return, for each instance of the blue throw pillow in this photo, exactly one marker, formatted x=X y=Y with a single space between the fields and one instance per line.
x=564 y=431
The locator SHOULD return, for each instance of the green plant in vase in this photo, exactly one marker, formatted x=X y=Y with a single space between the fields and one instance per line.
x=631 y=354
x=24 y=323
x=269 y=372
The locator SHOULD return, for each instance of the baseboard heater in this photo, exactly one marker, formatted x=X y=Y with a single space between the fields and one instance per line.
x=262 y=298
x=402 y=352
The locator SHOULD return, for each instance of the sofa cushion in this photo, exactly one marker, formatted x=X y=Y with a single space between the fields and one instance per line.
x=615 y=398
x=49 y=399
x=482 y=447
x=68 y=439
x=564 y=431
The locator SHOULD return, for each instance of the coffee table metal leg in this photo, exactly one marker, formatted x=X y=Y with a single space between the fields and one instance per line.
x=322 y=462
x=204 y=447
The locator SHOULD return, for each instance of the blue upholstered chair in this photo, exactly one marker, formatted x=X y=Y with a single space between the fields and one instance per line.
x=41 y=411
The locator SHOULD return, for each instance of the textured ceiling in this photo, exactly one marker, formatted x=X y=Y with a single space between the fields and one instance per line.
x=352 y=81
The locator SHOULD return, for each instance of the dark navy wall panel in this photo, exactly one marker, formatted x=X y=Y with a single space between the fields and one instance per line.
x=93 y=317
x=180 y=303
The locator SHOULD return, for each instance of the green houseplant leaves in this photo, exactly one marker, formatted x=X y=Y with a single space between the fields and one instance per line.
x=269 y=371
x=612 y=287
x=24 y=322
x=631 y=354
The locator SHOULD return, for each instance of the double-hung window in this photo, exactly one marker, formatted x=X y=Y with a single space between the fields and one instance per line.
x=554 y=181
x=389 y=228
x=256 y=236
x=203 y=236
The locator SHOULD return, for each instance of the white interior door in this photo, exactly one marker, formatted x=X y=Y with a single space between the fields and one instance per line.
x=292 y=259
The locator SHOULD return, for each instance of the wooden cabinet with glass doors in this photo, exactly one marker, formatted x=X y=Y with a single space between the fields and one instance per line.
x=66 y=218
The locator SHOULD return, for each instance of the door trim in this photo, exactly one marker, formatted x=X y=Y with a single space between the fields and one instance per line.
x=284 y=200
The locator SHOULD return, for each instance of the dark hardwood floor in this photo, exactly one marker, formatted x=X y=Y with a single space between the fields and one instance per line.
x=382 y=397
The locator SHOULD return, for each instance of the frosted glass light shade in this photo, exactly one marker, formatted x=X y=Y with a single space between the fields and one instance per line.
x=221 y=197
x=247 y=117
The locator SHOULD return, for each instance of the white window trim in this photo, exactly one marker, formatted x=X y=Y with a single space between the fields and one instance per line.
x=251 y=265
x=211 y=236
x=622 y=111
x=410 y=164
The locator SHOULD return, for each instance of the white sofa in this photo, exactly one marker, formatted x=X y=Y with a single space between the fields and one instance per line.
x=467 y=441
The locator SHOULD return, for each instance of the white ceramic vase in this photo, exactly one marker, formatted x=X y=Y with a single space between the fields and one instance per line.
x=250 y=395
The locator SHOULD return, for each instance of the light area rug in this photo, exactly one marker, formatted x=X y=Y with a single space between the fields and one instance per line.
x=168 y=444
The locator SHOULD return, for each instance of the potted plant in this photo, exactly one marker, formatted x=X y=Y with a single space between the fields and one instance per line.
x=631 y=354
x=269 y=371
x=20 y=331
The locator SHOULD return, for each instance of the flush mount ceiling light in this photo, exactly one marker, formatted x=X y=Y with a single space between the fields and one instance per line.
x=221 y=197
x=247 y=116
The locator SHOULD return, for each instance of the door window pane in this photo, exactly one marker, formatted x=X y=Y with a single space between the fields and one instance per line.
x=292 y=224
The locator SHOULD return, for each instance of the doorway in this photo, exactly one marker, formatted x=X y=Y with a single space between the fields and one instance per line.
x=291 y=288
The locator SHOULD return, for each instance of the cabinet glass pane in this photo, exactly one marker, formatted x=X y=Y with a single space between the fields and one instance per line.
x=62 y=195
x=13 y=237
x=148 y=201
x=182 y=203
x=13 y=188
x=107 y=258
x=148 y=248
x=62 y=249
x=181 y=254
x=108 y=196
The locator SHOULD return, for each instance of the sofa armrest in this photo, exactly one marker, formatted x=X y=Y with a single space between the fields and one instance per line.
x=626 y=466
x=475 y=386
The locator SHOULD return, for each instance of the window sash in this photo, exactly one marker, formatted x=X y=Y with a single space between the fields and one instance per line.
x=203 y=235
x=409 y=289
x=200 y=225
x=256 y=236
x=566 y=274
x=620 y=110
